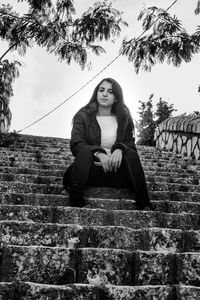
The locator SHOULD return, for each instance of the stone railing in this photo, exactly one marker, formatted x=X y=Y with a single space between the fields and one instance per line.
x=5 y=117
x=180 y=134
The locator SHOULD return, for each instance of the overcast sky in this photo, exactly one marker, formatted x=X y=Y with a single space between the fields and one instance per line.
x=45 y=82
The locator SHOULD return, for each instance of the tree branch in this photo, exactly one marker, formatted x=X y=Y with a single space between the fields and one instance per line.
x=4 y=54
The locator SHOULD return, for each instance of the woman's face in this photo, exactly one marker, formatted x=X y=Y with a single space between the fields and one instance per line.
x=105 y=95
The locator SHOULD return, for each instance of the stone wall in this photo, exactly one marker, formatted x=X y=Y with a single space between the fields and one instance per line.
x=5 y=116
x=180 y=134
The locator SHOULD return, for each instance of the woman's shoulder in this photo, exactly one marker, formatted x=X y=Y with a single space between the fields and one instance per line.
x=86 y=110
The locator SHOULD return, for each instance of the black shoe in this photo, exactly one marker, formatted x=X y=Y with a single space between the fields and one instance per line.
x=76 y=199
x=146 y=207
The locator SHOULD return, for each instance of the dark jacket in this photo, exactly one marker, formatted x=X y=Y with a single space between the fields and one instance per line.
x=86 y=132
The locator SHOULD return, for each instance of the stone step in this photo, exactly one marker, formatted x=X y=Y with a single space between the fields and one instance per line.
x=74 y=236
x=50 y=179
x=98 y=266
x=38 y=153
x=36 y=291
x=172 y=196
x=99 y=217
x=15 y=173
x=62 y=154
x=59 y=172
x=19 y=187
x=40 y=158
x=168 y=206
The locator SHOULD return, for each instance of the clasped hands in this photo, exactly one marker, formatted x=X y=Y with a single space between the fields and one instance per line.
x=111 y=162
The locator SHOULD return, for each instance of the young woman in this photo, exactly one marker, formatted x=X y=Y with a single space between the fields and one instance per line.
x=103 y=143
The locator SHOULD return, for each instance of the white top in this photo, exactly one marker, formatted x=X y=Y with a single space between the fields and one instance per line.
x=108 y=125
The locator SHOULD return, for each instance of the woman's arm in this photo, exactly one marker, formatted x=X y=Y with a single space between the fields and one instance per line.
x=79 y=135
x=128 y=141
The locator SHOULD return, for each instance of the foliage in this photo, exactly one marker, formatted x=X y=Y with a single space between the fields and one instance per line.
x=55 y=27
x=146 y=124
x=149 y=119
x=8 y=72
x=163 y=111
x=167 y=41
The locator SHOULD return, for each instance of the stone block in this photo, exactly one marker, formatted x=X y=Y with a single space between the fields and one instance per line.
x=183 y=207
x=104 y=266
x=192 y=241
x=154 y=268
x=183 y=221
x=110 y=193
x=136 y=219
x=141 y=292
x=7 y=291
x=166 y=240
x=188 y=269
x=33 y=199
x=187 y=293
x=33 y=291
x=26 y=213
x=36 y=234
x=17 y=187
x=118 y=238
x=38 y=264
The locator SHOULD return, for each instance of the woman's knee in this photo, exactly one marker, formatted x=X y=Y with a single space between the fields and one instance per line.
x=131 y=154
x=84 y=154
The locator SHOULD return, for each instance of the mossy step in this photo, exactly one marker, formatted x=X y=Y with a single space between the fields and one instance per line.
x=74 y=236
x=63 y=265
x=59 y=172
x=174 y=196
x=20 y=187
x=168 y=206
x=98 y=266
x=50 y=179
x=31 y=171
x=192 y=175
x=36 y=291
x=99 y=217
x=62 y=153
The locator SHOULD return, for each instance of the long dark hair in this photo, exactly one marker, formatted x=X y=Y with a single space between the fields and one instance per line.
x=119 y=108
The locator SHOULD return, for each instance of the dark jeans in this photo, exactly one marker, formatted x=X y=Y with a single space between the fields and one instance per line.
x=83 y=172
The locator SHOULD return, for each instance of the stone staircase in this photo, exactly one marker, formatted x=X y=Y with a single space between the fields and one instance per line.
x=108 y=251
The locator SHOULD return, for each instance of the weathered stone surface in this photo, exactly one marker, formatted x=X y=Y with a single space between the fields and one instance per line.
x=187 y=293
x=188 y=269
x=11 y=187
x=80 y=216
x=183 y=221
x=33 y=291
x=33 y=199
x=36 y=234
x=166 y=240
x=154 y=268
x=108 y=241
x=118 y=238
x=136 y=219
x=6 y=291
x=105 y=266
x=38 y=264
x=192 y=241
x=26 y=213
x=141 y=292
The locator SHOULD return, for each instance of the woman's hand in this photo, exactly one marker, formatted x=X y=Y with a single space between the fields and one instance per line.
x=105 y=161
x=116 y=159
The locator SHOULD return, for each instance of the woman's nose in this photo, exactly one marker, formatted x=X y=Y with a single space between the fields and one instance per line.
x=105 y=93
